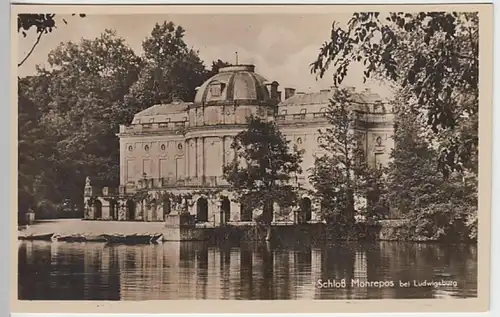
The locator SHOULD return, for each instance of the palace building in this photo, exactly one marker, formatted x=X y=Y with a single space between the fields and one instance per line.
x=179 y=149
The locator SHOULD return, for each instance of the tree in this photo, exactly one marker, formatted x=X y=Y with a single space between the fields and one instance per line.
x=412 y=174
x=263 y=167
x=434 y=55
x=375 y=190
x=435 y=208
x=36 y=177
x=43 y=23
x=340 y=175
x=80 y=101
x=216 y=65
x=171 y=69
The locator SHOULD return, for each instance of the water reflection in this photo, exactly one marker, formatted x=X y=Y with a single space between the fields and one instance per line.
x=189 y=270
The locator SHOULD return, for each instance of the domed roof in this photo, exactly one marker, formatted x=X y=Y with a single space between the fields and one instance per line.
x=234 y=83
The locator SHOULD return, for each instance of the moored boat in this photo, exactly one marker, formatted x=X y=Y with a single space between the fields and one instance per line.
x=131 y=239
x=37 y=237
x=156 y=238
x=99 y=238
x=71 y=238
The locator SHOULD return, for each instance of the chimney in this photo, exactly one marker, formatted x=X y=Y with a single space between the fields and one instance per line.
x=289 y=92
x=272 y=88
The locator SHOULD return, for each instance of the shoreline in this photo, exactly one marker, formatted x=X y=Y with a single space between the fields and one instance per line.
x=80 y=230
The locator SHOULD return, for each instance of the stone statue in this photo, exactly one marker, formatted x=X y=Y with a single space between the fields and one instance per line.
x=87 y=182
x=182 y=206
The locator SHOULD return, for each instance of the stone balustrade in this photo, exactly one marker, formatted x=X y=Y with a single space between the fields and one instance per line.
x=166 y=182
x=299 y=117
x=321 y=117
x=172 y=126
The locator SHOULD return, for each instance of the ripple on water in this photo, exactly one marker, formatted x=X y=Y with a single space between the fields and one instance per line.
x=94 y=271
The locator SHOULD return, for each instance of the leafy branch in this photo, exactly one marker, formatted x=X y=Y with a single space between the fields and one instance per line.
x=43 y=23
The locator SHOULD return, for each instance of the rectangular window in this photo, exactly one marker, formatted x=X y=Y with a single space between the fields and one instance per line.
x=179 y=167
x=146 y=167
x=215 y=90
x=163 y=168
x=130 y=170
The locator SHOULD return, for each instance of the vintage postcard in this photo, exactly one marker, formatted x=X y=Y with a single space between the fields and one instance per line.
x=259 y=159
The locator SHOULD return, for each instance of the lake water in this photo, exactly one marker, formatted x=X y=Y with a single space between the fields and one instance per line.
x=192 y=270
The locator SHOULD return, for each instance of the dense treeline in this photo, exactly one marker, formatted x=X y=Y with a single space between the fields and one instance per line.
x=70 y=111
x=432 y=60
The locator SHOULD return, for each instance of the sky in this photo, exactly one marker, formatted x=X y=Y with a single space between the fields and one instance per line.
x=281 y=46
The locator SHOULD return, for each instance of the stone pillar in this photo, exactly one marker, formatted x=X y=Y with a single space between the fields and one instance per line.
x=215 y=212
x=148 y=213
x=223 y=152
x=293 y=214
x=186 y=159
x=184 y=206
x=196 y=159
x=203 y=165
x=276 y=210
x=89 y=211
x=139 y=211
x=106 y=210
x=122 y=211
x=30 y=216
x=315 y=210
x=174 y=206
x=235 y=211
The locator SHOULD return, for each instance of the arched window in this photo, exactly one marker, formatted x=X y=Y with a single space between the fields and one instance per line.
x=303 y=113
x=97 y=209
x=131 y=210
x=305 y=213
x=113 y=210
x=245 y=213
x=167 y=207
x=154 y=210
x=202 y=210
x=226 y=210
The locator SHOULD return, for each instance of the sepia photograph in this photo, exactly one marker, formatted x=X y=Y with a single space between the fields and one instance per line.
x=232 y=153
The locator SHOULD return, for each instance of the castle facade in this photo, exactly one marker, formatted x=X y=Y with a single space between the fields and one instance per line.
x=172 y=155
